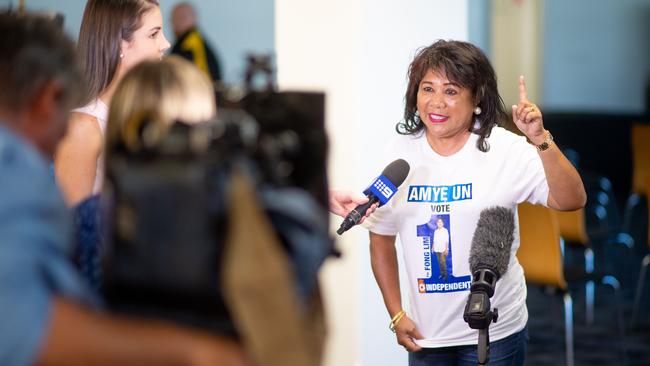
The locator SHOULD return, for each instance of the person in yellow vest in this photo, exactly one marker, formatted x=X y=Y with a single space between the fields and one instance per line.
x=190 y=44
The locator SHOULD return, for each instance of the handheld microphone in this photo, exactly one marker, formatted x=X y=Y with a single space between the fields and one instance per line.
x=488 y=260
x=381 y=190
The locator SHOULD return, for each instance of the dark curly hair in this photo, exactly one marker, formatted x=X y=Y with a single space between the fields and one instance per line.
x=465 y=65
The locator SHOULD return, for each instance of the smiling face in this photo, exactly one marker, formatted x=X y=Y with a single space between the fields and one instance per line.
x=148 y=41
x=445 y=108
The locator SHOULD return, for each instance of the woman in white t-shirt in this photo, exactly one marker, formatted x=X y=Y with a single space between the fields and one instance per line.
x=114 y=36
x=461 y=162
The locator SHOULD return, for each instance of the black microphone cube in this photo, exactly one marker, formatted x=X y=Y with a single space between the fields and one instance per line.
x=477 y=310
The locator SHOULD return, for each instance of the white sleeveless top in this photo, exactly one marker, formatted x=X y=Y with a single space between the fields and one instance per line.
x=99 y=110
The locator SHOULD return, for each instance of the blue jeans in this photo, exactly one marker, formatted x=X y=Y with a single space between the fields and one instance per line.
x=509 y=351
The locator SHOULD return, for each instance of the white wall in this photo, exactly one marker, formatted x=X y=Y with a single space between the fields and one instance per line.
x=358 y=52
x=234 y=28
x=317 y=45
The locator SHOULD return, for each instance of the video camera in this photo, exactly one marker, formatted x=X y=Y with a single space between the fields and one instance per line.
x=168 y=202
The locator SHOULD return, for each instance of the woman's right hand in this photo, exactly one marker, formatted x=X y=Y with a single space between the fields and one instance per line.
x=406 y=332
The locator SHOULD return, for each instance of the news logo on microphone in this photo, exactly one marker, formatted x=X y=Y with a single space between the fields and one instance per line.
x=382 y=188
x=380 y=191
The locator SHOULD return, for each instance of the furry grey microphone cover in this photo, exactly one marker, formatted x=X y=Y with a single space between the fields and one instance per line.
x=492 y=240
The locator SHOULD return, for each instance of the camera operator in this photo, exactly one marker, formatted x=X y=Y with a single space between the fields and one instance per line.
x=48 y=317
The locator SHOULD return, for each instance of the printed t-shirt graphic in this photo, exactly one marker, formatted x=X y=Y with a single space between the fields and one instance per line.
x=437 y=252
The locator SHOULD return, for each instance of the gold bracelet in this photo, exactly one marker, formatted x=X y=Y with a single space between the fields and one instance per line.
x=395 y=320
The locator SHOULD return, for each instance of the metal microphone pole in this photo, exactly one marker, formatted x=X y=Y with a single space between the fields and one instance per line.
x=477 y=312
x=483 y=348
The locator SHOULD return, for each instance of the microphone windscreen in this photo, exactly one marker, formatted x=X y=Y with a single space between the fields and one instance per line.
x=492 y=240
x=397 y=171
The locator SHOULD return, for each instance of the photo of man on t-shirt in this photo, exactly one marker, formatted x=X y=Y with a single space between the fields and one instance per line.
x=441 y=247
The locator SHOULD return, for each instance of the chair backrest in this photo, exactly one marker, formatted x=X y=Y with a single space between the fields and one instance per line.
x=573 y=226
x=539 y=252
x=640 y=157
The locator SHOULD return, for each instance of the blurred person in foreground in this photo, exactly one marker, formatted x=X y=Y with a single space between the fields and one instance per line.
x=461 y=163
x=48 y=316
x=190 y=43
x=162 y=93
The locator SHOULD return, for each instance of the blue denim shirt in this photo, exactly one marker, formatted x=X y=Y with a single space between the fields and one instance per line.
x=35 y=229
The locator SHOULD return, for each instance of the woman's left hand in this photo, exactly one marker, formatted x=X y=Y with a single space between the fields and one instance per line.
x=406 y=333
x=527 y=116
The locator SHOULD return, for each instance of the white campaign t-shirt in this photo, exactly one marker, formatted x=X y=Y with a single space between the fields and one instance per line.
x=456 y=188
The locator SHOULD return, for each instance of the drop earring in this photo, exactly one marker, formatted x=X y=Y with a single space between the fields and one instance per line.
x=477 y=110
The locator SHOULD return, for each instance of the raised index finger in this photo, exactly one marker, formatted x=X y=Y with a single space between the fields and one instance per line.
x=522 y=89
